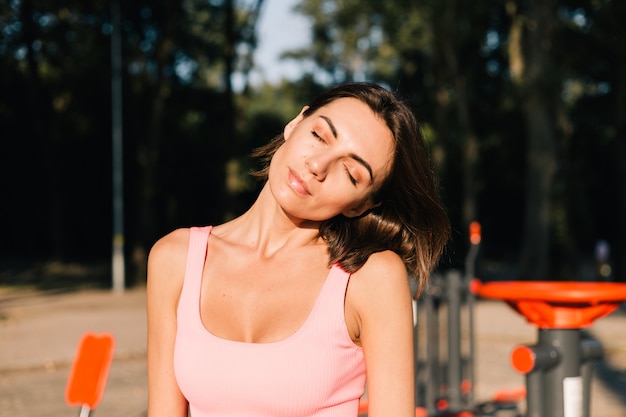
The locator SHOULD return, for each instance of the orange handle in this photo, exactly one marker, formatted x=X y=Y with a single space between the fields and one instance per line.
x=474 y=233
x=90 y=370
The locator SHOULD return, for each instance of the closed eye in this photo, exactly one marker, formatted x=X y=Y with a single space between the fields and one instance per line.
x=350 y=177
x=318 y=137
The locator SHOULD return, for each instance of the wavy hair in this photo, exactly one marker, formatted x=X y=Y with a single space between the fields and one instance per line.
x=411 y=220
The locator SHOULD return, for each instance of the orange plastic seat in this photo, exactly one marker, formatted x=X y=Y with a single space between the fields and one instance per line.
x=555 y=304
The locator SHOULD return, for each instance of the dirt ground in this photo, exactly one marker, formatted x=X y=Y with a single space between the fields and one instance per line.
x=39 y=333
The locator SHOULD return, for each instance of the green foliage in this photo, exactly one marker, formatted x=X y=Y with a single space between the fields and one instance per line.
x=443 y=55
x=187 y=135
x=55 y=118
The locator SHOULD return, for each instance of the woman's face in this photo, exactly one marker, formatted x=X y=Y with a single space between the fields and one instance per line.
x=331 y=162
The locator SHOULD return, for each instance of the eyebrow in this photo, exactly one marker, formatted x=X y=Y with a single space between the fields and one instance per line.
x=354 y=156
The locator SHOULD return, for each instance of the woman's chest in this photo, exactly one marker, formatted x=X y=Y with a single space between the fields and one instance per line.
x=259 y=302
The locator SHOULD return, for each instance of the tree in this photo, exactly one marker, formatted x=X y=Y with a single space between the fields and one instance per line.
x=187 y=54
x=51 y=56
x=424 y=50
x=179 y=122
x=507 y=109
x=531 y=46
x=617 y=15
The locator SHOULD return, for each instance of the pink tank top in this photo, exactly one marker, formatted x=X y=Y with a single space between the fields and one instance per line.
x=316 y=372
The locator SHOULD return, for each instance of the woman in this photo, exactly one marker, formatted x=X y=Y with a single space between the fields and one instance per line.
x=289 y=308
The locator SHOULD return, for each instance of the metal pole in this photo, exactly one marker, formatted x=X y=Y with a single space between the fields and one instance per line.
x=471 y=373
x=118 y=267
x=453 y=289
x=563 y=382
x=534 y=394
x=470 y=260
x=590 y=351
x=84 y=411
x=432 y=352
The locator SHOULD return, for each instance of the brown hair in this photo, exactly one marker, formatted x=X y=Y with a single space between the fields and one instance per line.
x=411 y=220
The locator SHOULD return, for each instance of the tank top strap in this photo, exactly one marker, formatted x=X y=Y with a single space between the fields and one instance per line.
x=336 y=285
x=196 y=256
x=328 y=314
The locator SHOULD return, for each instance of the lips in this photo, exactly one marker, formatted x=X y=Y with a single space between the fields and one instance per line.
x=297 y=184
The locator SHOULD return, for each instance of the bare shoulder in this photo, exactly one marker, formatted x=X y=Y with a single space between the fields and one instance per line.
x=383 y=273
x=378 y=294
x=167 y=260
x=381 y=282
x=174 y=243
x=382 y=324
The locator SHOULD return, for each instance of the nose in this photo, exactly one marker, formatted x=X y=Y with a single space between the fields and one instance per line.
x=318 y=164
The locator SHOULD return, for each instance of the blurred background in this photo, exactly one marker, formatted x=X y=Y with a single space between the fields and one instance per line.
x=121 y=121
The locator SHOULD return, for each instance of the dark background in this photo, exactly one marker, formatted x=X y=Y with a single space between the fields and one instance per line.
x=523 y=105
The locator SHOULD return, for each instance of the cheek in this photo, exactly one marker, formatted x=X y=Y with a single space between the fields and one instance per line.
x=289 y=153
x=278 y=158
x=345 y=197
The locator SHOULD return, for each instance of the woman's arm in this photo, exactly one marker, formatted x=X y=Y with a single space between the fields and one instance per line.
x=166 y=268
x=381 y=298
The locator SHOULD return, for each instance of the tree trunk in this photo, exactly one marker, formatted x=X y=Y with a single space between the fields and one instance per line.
x=619 y=14
x=538 y=92
x=47 y=150
x=449 y=65
x=149 y=150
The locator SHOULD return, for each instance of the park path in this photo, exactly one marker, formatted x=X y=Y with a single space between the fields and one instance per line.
x=39 y=334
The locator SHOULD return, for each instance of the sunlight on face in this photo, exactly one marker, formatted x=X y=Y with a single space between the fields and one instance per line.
x=334 y=159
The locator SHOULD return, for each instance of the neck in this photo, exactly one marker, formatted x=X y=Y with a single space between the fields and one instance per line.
x=267 y=228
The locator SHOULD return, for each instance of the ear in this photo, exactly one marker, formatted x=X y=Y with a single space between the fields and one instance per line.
x=292 y=124
x=361 y=209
